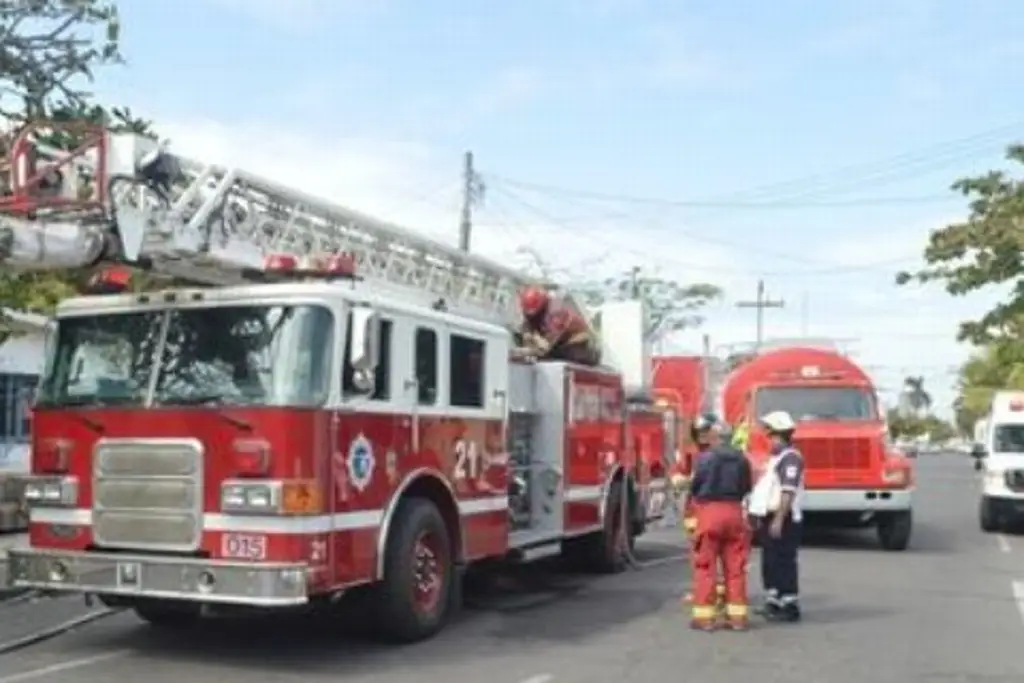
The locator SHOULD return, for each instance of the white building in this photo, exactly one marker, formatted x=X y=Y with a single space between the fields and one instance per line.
x=21 y=363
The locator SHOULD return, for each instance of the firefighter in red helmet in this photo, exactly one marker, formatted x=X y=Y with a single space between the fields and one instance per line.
x=552 y=330
x=722 y=479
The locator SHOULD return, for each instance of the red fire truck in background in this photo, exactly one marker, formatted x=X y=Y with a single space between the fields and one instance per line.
x=679 y=385
x=853 y=476
x=328 y=405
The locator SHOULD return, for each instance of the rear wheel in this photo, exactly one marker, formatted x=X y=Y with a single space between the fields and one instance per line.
x=894 y=530
x=606 y=551
x=415 y=598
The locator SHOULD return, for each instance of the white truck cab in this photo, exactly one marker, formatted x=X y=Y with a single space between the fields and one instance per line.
x=1002 y=462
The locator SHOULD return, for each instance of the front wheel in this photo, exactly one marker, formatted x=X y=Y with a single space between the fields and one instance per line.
x=166 y=614
x=894 y=530
x=415 y=598
x=987 y=517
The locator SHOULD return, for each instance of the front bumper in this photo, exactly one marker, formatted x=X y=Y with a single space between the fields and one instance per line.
x=1005 y=507
x=856 y=500
x=169 y=578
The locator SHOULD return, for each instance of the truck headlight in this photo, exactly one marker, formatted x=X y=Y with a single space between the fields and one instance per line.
x=52 y=492
x=896 y=477
x=238 y=497
x=269 y=497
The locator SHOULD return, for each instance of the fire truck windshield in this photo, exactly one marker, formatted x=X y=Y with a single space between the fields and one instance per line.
x=233 y=355
x=817 y=403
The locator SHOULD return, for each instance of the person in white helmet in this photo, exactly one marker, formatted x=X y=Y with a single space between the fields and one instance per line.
x=775 y=500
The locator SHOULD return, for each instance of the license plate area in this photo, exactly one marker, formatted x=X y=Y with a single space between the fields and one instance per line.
x=249 y=547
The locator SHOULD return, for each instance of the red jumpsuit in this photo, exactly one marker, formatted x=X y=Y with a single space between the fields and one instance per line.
x=720 y=483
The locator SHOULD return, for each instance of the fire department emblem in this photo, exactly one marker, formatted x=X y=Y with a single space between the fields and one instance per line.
x=360 y=463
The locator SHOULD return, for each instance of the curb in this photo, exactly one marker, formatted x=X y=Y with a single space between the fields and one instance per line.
x=9 y=593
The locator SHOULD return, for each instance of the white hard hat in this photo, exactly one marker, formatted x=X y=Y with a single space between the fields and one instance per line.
x=778 y=421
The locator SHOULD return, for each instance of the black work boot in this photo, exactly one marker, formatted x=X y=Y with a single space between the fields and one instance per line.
x=790 y=613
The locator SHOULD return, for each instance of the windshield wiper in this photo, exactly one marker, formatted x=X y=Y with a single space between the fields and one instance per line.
x=88 y=401
x=194 y=400
x=213 y=400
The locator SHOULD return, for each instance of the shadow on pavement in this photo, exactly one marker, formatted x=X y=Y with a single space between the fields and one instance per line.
x=526 y=605
x=926 y=538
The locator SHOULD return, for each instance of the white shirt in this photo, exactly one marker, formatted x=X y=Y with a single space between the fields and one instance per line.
x=784 y=472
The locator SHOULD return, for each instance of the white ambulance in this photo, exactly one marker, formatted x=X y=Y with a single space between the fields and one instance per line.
x=1002 y=458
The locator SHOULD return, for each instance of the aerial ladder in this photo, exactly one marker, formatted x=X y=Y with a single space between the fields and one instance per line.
x=125 y=198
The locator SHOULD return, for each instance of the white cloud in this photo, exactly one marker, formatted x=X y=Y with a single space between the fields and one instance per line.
x=898 y=331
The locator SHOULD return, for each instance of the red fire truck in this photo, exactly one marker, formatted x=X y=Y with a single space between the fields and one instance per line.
x=853 y=477
x=283 y=429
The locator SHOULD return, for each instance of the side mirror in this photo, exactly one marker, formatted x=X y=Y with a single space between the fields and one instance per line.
x=363 y=352
x=978 y=452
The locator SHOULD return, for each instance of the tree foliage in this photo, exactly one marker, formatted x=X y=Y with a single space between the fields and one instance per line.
x=49 y=53
x=672 y=305
x=994 y=367
x=903 y=426
x=986 y=249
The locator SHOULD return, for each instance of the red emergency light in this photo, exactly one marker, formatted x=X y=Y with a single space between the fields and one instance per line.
x=112 y=280
x=1016 y=405
x=330 y=266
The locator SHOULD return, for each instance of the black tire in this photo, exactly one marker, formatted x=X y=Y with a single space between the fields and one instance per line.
x=987 y=518
x=169 y=615
x=602 y=552
x=894 y=530
x=401 y=613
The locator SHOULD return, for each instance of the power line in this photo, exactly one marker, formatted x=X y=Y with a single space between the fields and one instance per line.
x=824 y=270
x=721 y=204
x=929 y=158
x=760 y=304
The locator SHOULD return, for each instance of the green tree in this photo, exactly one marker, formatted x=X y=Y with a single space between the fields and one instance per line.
x=905 y=426
x=672 y=305
x=984 y=250
x=49 y=52
x=993 y=367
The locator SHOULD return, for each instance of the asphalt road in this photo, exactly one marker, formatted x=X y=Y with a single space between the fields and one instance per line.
x=943 y=611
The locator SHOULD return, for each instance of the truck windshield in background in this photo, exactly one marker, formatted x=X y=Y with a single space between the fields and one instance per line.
x=241 y=355
x=1008 y=438
x=817 y=403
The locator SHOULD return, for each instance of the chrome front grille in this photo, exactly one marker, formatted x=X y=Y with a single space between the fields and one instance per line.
x=148 y=494
x=835 y=453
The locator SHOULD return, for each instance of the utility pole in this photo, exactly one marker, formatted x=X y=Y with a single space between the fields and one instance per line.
x=761 y=303
x=706 y=376
x=634 y=282
x=472 y=194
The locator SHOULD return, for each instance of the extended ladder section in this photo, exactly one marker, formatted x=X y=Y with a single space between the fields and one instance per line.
x=123 y=197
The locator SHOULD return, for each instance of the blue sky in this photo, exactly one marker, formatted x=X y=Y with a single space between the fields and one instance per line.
x=854 y=115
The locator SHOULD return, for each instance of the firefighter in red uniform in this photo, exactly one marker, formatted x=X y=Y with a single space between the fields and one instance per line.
x=722 y=479
x=553 y=331
x=702 y=429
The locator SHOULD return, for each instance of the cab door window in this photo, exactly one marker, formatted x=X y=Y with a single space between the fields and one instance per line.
x=466 y=371
x=425 y=363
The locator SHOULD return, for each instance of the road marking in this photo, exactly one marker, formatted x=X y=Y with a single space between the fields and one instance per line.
x=658 y=561
x=539 y=678
x=63 y=666
x=1003 y=543
x=1018 y=594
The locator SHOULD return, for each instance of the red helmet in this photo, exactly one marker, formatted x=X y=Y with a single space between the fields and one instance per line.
x=533 y=300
